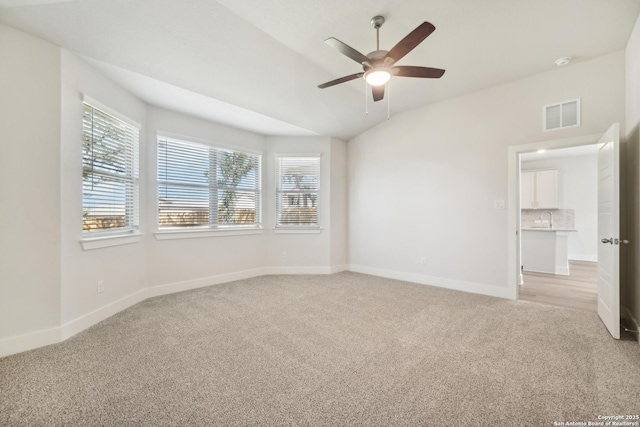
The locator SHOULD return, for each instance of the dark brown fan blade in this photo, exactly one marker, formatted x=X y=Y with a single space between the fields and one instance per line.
x=346 y=50
x=413 y=39
x=425 y=72
x=378 y=92
x=340 y=80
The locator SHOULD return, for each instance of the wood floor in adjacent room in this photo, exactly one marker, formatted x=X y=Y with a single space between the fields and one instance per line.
x=578 y=290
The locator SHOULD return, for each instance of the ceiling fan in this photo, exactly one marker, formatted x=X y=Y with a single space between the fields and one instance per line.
x=378 y=66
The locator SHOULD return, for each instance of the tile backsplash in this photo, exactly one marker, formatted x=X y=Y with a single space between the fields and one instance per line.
x=563 y=219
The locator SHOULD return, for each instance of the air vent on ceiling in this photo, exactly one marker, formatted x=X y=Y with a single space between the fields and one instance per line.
x=562 y=115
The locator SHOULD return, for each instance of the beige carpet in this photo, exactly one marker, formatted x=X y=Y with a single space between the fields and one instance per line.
x=345 y=349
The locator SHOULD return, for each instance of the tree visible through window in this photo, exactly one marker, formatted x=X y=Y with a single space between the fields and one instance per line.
x=109 y=172
x=298 y=185
x=207 y=187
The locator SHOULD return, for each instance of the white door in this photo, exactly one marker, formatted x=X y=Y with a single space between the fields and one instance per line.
x=609 y=230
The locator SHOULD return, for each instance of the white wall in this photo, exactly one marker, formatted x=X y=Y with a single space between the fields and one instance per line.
x=48 y=283
x=29 y=185
x=305 y=252
x=632 y=80
x=339 y=204
x=423 y=183
x=577 y=190
x=123 y=267
x=444 y=164
x=197 y=259
x=631 y=184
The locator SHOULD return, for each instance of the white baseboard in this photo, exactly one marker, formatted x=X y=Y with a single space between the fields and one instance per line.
x=298 y=270
x=441 y=282
x=563 y=271
x=32 y=340
x=20 y=343
x=170 y=288
x=307 y=270
x=85 y=321
x=626 y=313
x=583 y=257
x=529 y=270
x=339 y=268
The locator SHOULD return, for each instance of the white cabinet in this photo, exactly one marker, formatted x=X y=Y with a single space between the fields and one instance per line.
x=539 y=189
x=547 y=189
x=545 y=251
x=527 y=190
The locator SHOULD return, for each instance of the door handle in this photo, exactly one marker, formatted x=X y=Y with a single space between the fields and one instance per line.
x=609 y=240
x=624 y=242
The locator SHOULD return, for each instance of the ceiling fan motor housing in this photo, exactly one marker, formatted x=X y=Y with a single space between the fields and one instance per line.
x=376 y=58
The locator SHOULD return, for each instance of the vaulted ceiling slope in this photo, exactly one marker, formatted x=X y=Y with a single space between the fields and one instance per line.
x=257 y=63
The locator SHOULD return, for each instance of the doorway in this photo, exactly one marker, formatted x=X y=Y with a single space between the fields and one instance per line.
x=514 y=211
x=609 y=240
x=559 y=227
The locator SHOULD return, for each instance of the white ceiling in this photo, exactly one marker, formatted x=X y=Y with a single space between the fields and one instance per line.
x=256 y=64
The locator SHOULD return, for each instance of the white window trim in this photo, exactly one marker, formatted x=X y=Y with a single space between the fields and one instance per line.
x=220 y=231
x=110 y=240
x=222 y=145
x=295 y=229
x=202 y=233
x=100 y=106
x=298 y=155
x=127 y=235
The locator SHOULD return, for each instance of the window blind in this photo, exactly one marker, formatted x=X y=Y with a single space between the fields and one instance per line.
x=206 y=187
x=298 y=186
x=109 y=172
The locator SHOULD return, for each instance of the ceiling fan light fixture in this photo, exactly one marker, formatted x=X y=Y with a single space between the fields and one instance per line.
x=379 y=66
x=377 y=76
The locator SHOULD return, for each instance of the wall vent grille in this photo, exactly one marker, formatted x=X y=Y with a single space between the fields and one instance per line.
x=562 y=115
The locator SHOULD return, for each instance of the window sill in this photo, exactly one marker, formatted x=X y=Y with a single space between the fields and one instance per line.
x=297 y=230
x=90 y=243
x=195 y=234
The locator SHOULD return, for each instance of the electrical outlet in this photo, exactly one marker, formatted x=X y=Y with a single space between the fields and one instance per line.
x=498 y=204
x=100 y=286
x=423 y=260
x=284 y=254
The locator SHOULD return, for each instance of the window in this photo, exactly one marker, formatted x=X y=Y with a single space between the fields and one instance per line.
x=205 y=187
x=298 y=185
x=109 y=173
